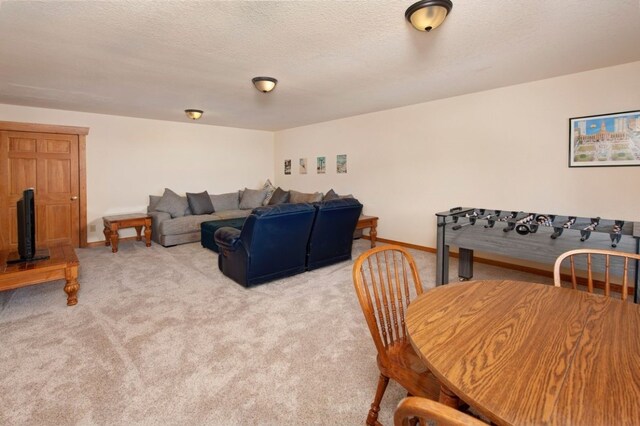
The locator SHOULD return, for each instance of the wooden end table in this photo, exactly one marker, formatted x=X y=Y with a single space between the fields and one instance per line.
x=62 y=264
x=370 y=222
x=133 y=220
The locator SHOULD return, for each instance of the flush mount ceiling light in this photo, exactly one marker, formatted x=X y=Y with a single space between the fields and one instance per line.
x=426 y=15
x=193 y=114
x=264 y=84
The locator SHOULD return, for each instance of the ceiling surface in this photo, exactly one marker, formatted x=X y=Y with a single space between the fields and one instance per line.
x=333 y=59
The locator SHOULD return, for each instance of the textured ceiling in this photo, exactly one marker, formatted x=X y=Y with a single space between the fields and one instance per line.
x=333 y=59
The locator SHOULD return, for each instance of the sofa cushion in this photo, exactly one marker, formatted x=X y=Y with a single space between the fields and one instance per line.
x=230 y=214
x=153 y=202
x=331 y=195
x=184 y=224
x=172 y=203
x=187 y=224
x=227 y=201
x=268 y=186
x=200 y=203
x=301 y=197
x=279 y=196
x=252 y=198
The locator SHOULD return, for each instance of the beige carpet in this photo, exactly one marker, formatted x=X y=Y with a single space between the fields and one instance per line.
x=160 y=336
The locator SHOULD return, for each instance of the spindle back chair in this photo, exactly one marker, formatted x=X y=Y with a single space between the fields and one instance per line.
x=432 y=411
x=386 y=279
x=590 y=255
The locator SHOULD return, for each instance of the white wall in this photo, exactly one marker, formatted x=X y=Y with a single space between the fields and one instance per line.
x=130 y=158
x=505 y=148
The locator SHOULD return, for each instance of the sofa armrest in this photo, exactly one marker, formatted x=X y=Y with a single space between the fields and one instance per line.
x=156 y=219
x=159 y=217
x=227 y=238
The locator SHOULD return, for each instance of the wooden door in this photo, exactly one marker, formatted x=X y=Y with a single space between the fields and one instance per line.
x=47 y=162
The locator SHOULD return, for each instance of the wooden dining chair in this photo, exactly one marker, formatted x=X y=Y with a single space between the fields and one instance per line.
x=385 y=279
x=591 y=256
x=431 y=412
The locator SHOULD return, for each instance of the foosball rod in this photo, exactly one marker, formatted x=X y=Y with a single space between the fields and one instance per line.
x=472 y=221
x=457 y=227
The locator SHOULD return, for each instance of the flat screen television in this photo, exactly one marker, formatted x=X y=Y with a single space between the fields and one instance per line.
x=26 y=209
x=27 y=225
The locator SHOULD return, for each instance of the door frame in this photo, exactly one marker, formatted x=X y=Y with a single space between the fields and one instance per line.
x=81 y=132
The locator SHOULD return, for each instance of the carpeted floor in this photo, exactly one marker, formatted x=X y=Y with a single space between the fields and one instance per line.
x=160 y=336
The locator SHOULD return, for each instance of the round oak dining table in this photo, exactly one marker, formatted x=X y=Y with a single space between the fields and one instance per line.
x=528 y=354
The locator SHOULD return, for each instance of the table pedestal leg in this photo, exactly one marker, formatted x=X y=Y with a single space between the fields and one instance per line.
x=448 y=398
x=72 y=286
x=139 y=233
x=147 y=233
x=107 y=236
x=373 y=233
x=114 y=240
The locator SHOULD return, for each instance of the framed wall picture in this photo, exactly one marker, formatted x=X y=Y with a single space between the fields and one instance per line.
x=287 y=167
x=303 y=166
x=321 y=167
x=605 y=140
x=341 y=163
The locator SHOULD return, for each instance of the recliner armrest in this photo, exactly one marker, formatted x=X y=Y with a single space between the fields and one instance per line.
x=227 y=238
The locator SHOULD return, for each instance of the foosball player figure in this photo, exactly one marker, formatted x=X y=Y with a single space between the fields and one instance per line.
x=567 y=225
x=616 y=233
x=585 y=233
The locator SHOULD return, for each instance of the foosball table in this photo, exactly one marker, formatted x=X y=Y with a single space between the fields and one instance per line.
x=525 y=235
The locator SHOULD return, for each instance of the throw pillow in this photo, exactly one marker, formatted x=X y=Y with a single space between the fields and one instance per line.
x=268 y=186
x=279 y=196
x=153 y=202
x=301 y=197
x=252 y=198
x=331 y=195
x=200 y=203
x=172 y=203
x=346 y=196
x=226 y=201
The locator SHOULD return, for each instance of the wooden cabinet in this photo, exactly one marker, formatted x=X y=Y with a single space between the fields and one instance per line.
x=50 y=159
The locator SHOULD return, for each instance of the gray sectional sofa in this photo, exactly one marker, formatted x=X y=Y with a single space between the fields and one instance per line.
x=169 y=231
x=174 y=222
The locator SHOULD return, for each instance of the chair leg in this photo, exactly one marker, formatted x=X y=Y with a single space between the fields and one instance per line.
x=372 y=418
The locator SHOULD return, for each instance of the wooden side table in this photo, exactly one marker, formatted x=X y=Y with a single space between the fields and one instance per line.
x=61 y=264
x=134 y=220
x=370 y=222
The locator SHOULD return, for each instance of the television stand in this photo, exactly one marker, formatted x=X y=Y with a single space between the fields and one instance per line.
x=62 y=264
x=41 y=254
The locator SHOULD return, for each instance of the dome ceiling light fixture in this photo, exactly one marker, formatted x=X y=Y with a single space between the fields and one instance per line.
x=264 y=84
x=426 y=15
x=193 y=114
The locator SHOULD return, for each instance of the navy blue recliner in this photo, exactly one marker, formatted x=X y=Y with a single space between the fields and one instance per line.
x=332 y=233
x=271 y=245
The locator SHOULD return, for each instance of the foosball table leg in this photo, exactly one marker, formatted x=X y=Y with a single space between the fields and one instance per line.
x=636 y=290
x=442 y=255
x=465 y=264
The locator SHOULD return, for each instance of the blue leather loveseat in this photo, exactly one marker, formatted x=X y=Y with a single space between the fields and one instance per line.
x=287 y=239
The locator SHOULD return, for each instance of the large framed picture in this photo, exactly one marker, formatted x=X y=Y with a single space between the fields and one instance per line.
x=605 y=140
